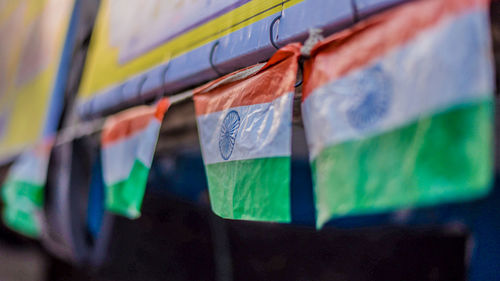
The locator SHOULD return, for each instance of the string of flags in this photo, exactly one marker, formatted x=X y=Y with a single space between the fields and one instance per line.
x=397 y=110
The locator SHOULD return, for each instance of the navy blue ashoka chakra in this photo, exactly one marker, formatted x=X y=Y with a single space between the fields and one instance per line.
x=374 y=96
x=228 y=132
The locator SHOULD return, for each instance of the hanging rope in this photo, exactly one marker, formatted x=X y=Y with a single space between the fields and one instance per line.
x=87 y=128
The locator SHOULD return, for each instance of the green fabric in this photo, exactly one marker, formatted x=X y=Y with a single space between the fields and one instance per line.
x=256 y=189
x=21 y=221
x=442 y=158
x=14 y=190
x=125 y=197
x=22 y=200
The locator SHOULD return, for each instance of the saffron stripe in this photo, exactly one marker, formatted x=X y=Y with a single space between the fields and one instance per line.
x=129 y=122
x=375 y=37
x=275 y=79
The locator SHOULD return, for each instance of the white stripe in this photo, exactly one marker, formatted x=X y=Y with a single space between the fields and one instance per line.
x=441 y=68
x=264 y=131
x=30 y=167
x=147 y=146
x=118 y=158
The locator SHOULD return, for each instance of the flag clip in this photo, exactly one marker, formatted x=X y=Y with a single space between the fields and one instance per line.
x=271 y=32
x=163 y=80
x=355 y=11
x=139 y=89
x=211 y=58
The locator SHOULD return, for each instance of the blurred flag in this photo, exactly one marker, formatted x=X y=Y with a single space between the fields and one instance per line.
x=128 y=144
x=398 y=110
x=244 y=123
x=22 y=192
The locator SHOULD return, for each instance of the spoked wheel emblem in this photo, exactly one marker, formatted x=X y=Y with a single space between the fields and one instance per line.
x=372 y=100
x=228 y=132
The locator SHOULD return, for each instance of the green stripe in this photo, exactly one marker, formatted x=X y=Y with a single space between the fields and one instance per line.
x=22 y=200
x=21 y=221
x=125 y=198
x=445 y=157
x=256 y=189
x=13 y=191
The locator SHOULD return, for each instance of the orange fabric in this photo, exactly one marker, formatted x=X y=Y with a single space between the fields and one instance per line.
x=356 y=47
x=131 y=121
x=44 y=147
x=161 y=108
x=275 y=79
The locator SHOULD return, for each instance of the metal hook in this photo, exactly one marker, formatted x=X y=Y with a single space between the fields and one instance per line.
x=355 y=11
x=298 y=84
x=211 y=58
x=163 y=82
x=271 y=32
x=121 y=90
x=139 y=89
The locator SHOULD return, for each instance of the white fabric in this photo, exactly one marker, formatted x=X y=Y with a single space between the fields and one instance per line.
x=447 y=66
x=119 y=157
x=264 y=131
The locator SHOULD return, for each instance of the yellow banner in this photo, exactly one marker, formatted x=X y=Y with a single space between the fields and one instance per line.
x=133 y=36
x=32 y=34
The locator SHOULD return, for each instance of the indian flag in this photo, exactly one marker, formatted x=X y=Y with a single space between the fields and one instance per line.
x=244 y=124
x=22 y=192
x=398 y=110
x=128 y=144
